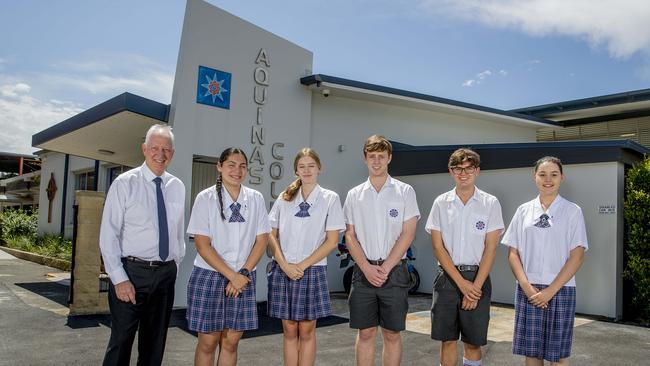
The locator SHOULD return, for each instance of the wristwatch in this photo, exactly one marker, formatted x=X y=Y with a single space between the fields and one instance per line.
x=244 y=272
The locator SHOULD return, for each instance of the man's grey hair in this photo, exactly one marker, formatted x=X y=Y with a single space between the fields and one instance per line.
x=159 y=129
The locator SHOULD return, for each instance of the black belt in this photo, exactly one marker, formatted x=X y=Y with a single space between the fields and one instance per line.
x=467 y=268
x=464 y=268
x=379 y=262
x=147 y=263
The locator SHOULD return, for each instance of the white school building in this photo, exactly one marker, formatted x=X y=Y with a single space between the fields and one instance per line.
x=255 y=90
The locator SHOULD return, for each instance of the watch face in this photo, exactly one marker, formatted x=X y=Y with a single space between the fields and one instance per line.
x=244 y=272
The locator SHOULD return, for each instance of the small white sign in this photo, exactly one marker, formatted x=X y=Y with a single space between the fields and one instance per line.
x=606 y=209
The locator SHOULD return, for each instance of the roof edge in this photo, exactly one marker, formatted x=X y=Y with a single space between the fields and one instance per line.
x=321 y=78
x=123 y=102
x=586 y=103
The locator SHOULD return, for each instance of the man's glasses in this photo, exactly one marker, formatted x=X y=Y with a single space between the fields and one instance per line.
x=467 y=170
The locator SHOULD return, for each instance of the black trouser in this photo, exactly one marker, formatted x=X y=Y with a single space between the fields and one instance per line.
x=154 y=293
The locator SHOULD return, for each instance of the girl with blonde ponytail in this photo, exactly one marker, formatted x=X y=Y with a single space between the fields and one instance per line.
x=305 y=227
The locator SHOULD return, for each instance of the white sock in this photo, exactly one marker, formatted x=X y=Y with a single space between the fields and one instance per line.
x=467 y=362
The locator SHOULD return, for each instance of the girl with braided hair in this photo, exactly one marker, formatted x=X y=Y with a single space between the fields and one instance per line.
x=230 y=227
x=306 y=222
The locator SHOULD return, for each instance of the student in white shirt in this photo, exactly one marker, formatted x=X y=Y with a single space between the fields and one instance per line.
x=547 y=239
x=465 y=225
x=230 y=227
x=142 y=243
x=381 y=215
x=306 y=221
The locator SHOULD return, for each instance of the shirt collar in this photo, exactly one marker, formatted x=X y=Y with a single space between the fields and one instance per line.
x=150 y=176
x=312 y=199
x=388 y=183
x=242 y=199
x=553 y=208
x=452 y=196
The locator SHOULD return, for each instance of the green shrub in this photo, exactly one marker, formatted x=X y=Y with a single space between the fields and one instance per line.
x=637 y=221
x=15 y=223
x=18 y=231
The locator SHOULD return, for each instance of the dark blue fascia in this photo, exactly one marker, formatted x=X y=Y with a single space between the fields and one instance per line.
x=123 y=102
x=585 y=103
x=415 y=160
x=320 y=78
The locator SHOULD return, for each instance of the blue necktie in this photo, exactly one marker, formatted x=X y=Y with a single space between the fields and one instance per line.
x=163 y=232
x=543 y=222
x=236 y=216
x=304 y=210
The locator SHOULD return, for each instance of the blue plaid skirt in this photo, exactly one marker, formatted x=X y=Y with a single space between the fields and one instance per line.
x=305 y=299
x=210 y=310
x=544 y=333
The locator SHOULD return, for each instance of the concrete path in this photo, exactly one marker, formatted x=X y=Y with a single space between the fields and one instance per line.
x=35 y=330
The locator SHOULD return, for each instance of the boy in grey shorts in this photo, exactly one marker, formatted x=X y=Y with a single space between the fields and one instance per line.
x=381 y=215
x=465 y=225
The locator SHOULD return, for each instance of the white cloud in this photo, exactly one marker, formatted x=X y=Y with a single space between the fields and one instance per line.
x=482 y=76
x=14 y=90
x=619 y=25
x=22 y=115
x=469 y=82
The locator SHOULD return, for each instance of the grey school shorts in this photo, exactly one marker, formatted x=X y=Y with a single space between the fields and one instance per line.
x=385 y=306
x=448 y=320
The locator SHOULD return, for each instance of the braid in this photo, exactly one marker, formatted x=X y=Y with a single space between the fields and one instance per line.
x=224 y=156
x=292 y=190
x=219 y=185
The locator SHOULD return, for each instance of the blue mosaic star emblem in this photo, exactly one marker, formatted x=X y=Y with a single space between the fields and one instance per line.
x=213 y=87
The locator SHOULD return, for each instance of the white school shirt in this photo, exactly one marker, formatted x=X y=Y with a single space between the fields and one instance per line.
x=301 y=236
x=130 y=220
x=233 y=241
x=463 y=226
x=378 y=216
x=544 y=251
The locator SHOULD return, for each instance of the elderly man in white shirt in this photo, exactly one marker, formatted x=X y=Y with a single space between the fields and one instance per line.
x=142 y=243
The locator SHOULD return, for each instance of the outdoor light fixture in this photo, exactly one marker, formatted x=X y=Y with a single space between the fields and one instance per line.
x=105 y=152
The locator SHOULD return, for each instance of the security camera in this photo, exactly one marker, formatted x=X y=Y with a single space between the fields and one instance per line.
x=326 y=93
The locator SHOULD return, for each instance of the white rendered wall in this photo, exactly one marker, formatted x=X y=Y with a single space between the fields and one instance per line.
x=588 y=185
x=50 y=162
x=55 y=162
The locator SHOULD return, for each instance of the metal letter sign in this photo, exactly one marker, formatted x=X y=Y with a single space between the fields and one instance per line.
x=213 y=87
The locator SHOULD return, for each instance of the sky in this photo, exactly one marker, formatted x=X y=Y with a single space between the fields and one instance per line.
x=61 y=57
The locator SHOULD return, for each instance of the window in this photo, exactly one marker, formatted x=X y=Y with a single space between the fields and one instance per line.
x=113 y=173
x=85 y=181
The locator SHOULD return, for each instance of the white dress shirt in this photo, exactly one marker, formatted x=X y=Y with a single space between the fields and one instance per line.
x=130 y=220
x=378 y=216
x=233 y=241
x=301 y=236
x=544 y=251
x=463 y=226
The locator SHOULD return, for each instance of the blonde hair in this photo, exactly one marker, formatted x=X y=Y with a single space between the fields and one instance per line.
x=292 y=189
x=377 y=143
